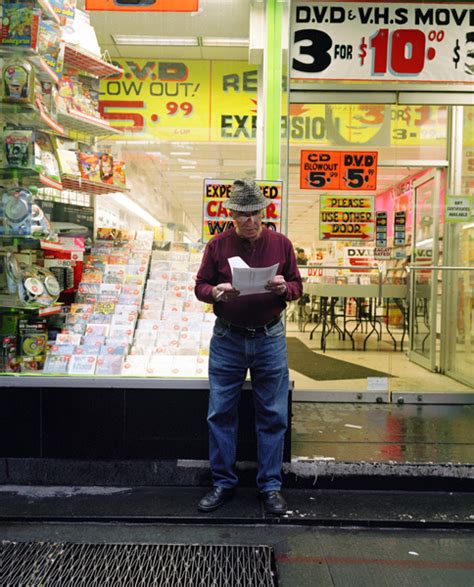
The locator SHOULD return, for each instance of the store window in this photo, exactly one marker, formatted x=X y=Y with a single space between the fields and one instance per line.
x=102 y=202
x=351 y=329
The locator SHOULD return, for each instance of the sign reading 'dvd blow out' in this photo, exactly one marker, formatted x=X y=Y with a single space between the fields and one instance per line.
x=217 y=219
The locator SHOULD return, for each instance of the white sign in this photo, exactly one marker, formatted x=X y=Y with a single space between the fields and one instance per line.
x=383 y=253
x=458 y=209
x=380 y=42
x=377 y=383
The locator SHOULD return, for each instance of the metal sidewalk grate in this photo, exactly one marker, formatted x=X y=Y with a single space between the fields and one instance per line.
x=49 y=564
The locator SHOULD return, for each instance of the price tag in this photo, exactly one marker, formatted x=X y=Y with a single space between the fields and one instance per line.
x=338 y=170
x=320 y=170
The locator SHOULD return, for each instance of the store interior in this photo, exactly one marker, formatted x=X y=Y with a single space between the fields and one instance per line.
x=336 y=342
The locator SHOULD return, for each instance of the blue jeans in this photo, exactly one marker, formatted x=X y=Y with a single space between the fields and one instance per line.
x=231 y=355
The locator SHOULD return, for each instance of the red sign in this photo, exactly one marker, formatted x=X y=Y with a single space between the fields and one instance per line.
x=338 y=170
x=144 y=5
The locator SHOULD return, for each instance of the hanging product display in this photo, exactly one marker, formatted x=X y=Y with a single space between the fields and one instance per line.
x=18 y=81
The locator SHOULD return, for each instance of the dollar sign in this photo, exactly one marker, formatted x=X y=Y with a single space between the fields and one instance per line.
x=363 y=52
x=456 y=54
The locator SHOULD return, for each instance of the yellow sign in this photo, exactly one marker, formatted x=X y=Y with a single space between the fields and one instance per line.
x=217 y=101
x=217 y=219
x=233 y=101
x=168 y=100
x=346 y=218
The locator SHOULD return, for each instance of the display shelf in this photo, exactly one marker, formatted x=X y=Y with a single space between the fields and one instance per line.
x=81 y=59
x=78 y=184
x=10 y=301
x=42 y=68
x=47 y=7
x=32 y=177
x=80 y=122
x=29 y=116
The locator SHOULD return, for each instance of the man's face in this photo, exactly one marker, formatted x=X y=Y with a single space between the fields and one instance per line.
x=248 y=224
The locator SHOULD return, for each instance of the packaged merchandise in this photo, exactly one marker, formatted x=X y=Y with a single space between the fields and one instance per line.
x=18 y=81
x=62 y=349
x=56 y=364
x=68 y=338
x=68 y=162
x=19 y=146
x=89 y=166
x=19 y=24
x=106 y=168
x=46 y=156
x=8 y=357
x=49 y=97
x=109 y=364
x=49 y=45
x=88 y=349
x=82 y=364
x=16 y=212
x=119 y=174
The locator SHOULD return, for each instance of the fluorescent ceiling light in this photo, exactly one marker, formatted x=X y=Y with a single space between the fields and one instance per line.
x=224 y=42
x=133 y=207
x=188 y=166
x=180 y=152
x=152 y=40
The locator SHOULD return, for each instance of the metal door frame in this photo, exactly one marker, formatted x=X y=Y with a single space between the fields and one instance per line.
x=429 y=363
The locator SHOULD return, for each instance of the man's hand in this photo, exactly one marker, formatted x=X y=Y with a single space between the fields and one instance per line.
x=277 y=285
x=224 y=292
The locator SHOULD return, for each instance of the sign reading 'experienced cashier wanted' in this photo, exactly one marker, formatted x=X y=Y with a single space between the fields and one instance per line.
x=346 y=218
x=217 y=219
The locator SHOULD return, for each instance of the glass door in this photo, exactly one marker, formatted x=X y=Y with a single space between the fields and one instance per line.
x=424 y=295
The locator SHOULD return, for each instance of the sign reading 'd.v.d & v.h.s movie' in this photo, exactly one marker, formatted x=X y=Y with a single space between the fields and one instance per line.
x=382 y=42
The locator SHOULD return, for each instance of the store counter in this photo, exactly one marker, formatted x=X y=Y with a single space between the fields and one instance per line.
x=329 y=307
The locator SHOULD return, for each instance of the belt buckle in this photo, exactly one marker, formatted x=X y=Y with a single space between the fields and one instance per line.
x=251 y=332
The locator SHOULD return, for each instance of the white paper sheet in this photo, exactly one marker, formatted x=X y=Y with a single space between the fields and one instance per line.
x=249 y=280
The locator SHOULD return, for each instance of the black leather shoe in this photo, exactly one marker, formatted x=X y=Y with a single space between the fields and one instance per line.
x=273 y=502
x=215 y=498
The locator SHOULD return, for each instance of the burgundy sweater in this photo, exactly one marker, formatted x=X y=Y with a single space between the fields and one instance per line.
x=252 y=310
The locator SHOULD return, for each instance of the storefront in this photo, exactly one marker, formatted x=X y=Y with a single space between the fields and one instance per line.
x=125 y=160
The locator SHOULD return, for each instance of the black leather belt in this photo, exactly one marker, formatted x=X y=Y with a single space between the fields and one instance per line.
x=247 y=330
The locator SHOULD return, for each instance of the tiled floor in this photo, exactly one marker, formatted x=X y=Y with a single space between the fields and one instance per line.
x=404 y=375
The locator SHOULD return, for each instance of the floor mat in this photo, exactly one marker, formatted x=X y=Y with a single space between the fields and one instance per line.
x=116 y=565
x=323 y=368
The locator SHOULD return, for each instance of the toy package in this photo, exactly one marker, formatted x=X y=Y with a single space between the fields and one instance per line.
x=19 y=149
x=89 y=166
x=49 y=46
x=49 y=97
x=18 y=81
x=82 y=364
x=56 y=364
x=15 y=212
x=119 y=174
x=19 y=25
x=106 y=168
x=47 y=157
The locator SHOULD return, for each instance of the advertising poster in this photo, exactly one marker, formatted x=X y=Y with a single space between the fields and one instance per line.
x=346 y=218
x=217 y=219
x=156 y=98
x=338 y=170
x=217 y=101
x=362 y=41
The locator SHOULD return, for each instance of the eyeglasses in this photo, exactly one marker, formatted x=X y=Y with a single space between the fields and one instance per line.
x=241 y=215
